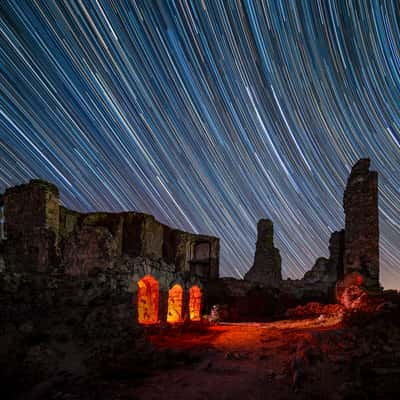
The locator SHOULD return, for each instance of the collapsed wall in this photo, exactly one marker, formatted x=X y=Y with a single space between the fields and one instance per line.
x=32 y=217
x=88 y=282
x=318 y=284
x=43 y=236
x=353 y=252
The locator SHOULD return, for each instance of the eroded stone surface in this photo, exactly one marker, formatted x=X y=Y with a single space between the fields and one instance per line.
x=43 y=236
x=32 y=218
x=360 y=204
x=266 y=268
x=90 y=249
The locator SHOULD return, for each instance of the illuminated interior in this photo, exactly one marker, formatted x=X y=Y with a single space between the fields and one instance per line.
x=148 y=297
x=175 y=304
x=195 y=303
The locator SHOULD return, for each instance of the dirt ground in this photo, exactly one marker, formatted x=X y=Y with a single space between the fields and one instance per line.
x=304 y=359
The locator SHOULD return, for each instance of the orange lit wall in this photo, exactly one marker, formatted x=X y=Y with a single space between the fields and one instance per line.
x=147 y=301
x=175 y=304
x=195 y=303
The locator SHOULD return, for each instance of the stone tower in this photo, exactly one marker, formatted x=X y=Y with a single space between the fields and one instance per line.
x=266 y=268
x=31 y=214
x=360 y=204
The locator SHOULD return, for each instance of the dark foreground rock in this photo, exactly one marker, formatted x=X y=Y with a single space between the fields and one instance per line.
x=57 y=331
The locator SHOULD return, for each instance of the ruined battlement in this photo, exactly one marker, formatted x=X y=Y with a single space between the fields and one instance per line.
x=43 y=236
x=353 y=251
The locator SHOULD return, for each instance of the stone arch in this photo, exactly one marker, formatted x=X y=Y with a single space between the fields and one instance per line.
x=175 y=304
x=148 y=296
x=195 y=297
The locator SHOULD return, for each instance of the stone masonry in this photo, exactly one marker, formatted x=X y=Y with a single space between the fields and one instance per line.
x=360 y=204
x=353 y=251
x=43 y=236
x=266 y=268
x=32 y=217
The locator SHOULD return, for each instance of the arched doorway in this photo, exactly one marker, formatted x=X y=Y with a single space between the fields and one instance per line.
x=175 y=304
x=195 y=303
x=147 y=300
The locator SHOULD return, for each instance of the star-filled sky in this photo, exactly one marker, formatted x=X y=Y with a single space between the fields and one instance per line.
x=208 y=114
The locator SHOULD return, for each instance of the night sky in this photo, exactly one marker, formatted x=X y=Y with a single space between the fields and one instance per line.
x=208 y=114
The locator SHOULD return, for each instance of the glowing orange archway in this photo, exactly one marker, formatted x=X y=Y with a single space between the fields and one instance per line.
x=195 y=303
x=147 y=300
x=175 y=303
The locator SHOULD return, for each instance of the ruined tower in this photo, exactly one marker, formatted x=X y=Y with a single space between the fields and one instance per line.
x=32 y=218
x=360 y=204
x=266 y=268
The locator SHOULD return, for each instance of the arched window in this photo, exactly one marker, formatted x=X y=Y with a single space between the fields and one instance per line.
x=195 y=303
x=175 y=304
x=147 y=300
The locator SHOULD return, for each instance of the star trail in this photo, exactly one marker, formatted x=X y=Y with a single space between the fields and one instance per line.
x=208 y=114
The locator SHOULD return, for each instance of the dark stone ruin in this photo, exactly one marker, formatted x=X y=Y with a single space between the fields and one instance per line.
x=353 y=260
x=78 y=289
x=267 y=260
x=81 y=293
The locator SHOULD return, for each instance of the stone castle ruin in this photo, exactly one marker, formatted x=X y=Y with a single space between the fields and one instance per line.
x=169 y=274
x=353 y=259
x=162 y=269
x=353 y=251
x=81 y=287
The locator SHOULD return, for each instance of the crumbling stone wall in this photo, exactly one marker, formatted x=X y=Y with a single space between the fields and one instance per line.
x=44 y=235
x=327 y=271
x=353 y=251
x=83 y=326
x=32 y=218
x=360 y=204
x=266 y=268
x=69 y=286
x=241 y=300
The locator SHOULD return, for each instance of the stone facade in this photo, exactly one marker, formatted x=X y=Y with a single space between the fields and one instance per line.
x=42 y=236
x=360 y=204
x=47 y=242
x=53 y=325
x=70 y=287
x=31 y=213
x=266 y=268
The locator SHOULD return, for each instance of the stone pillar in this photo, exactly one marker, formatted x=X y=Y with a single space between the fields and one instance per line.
x=163 y=308
x=360 y=204
x=266 y=268
x=32 y=215
x=185 y=305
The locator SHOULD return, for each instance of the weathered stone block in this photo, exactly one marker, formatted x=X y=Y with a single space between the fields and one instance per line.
x=88 y=250
x=360 y=204
x=32 y=217
x=266 y=268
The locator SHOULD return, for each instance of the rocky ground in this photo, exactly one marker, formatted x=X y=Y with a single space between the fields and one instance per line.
x=314 y=358
x=82 y=343
x=325 y=357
